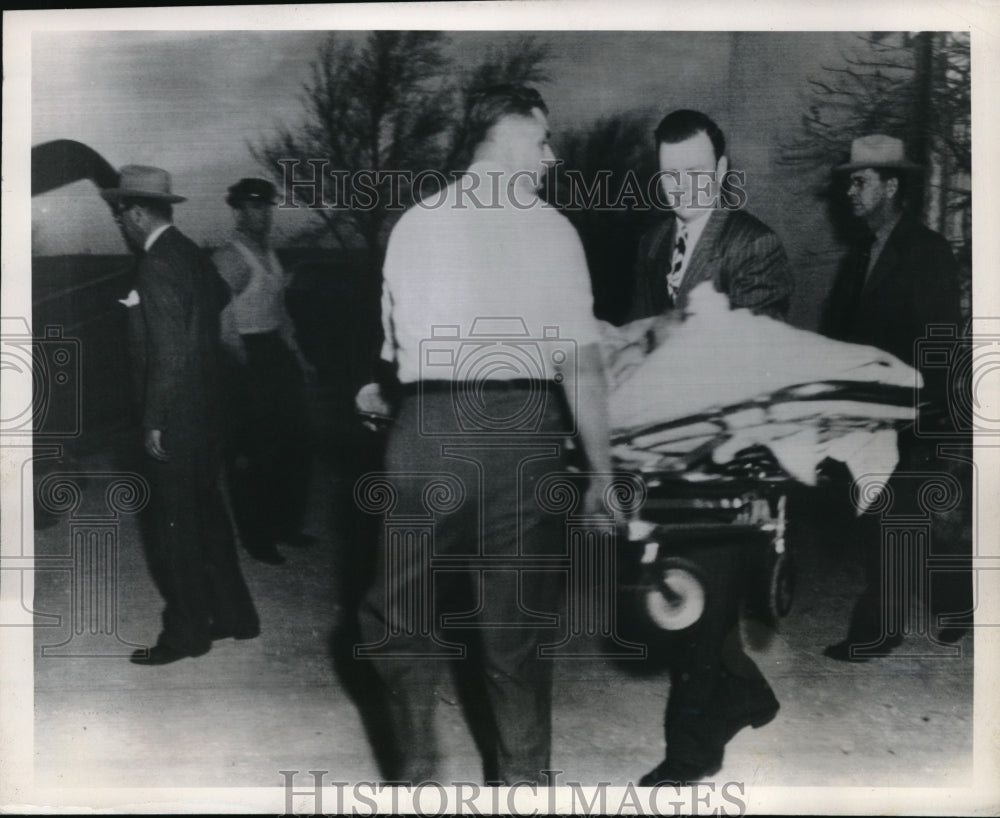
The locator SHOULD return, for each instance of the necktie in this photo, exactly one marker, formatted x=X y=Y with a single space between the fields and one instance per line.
x=677 y=261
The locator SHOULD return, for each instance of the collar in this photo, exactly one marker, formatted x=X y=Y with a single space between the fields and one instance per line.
x=882 y=234
x=153 y=236
x=695 y=228
x=493 y=185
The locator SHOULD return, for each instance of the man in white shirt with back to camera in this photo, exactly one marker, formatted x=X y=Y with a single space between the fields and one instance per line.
x=488 y=317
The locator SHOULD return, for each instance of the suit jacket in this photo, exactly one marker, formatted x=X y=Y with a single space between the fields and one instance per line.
x=177 y=329
x=737 y=252
x=913 y=285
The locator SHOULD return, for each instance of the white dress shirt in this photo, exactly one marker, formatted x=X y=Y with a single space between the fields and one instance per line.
x=496 y=291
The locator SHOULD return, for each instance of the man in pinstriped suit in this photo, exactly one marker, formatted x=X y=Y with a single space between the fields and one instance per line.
x=174 y=326
x=715 y=689
x=705 y=237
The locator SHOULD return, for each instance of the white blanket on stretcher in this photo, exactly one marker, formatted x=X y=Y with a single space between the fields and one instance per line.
x=719 y=357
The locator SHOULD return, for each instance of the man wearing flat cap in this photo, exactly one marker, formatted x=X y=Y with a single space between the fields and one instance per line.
x=897 y=282
x=268 y=460
x=174 y=318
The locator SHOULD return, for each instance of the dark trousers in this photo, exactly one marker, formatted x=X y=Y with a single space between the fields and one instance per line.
x=268 y=459
x=476 y=492
x=191 y=552
x=927 y=491
x=713 y=683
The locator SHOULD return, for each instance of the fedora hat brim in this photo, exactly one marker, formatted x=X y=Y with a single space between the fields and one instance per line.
x=898 y=164
x=113 y=194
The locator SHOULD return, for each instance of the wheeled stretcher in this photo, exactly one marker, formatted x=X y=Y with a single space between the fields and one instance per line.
x=724 y=475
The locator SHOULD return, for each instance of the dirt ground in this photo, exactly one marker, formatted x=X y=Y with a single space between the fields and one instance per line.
x=293 y=700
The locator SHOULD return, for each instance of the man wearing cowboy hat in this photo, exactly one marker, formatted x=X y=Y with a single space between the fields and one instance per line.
x=898 y=281
x=269 y=460
x=175 y=319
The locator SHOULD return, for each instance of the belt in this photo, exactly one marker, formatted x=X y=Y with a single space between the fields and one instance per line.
x=271 y=333
x=433 y=387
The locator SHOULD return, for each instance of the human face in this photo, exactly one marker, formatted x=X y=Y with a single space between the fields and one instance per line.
x=524 y=144
x=690 y=175
x=254 y=218
x=870 y=197
x=130 y=222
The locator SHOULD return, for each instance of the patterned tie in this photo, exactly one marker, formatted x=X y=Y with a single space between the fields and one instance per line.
x=677 y=264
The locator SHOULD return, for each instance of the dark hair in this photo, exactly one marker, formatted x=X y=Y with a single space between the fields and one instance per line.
x=161 y=209
x=685 y=123
x=902 y=182
x=486 y=107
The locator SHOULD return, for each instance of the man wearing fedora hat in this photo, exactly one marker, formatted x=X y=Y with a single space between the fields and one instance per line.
x=898 y=281
x=174 y=317
x=268 y=460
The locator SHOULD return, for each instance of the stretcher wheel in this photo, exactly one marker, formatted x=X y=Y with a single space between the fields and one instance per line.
x=782 y=586
x=770 y=589
x=676 y=599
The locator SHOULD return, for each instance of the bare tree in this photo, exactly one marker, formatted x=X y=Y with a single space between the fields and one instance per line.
x=383 y=105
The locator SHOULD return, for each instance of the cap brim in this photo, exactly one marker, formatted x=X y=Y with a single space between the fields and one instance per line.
x=116 y=193
x=235 y=201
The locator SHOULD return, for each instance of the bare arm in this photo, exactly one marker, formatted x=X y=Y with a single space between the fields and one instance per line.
x=232 y=268
x=587 y=391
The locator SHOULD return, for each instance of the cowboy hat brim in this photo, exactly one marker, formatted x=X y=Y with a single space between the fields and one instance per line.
x=116 y=193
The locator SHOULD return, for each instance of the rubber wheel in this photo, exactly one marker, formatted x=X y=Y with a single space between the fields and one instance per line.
x=676 y=599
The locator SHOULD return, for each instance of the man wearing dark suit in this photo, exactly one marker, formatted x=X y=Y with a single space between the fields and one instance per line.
x=715 y=688
x=899 y=280
x=175 y=321
x=704 y=237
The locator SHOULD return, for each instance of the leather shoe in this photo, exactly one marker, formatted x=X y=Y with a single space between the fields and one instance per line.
x=758 y=717
x=678 y=773
x=218 y=633
x=841 y=651
x=268 y=553
x=164 y=655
